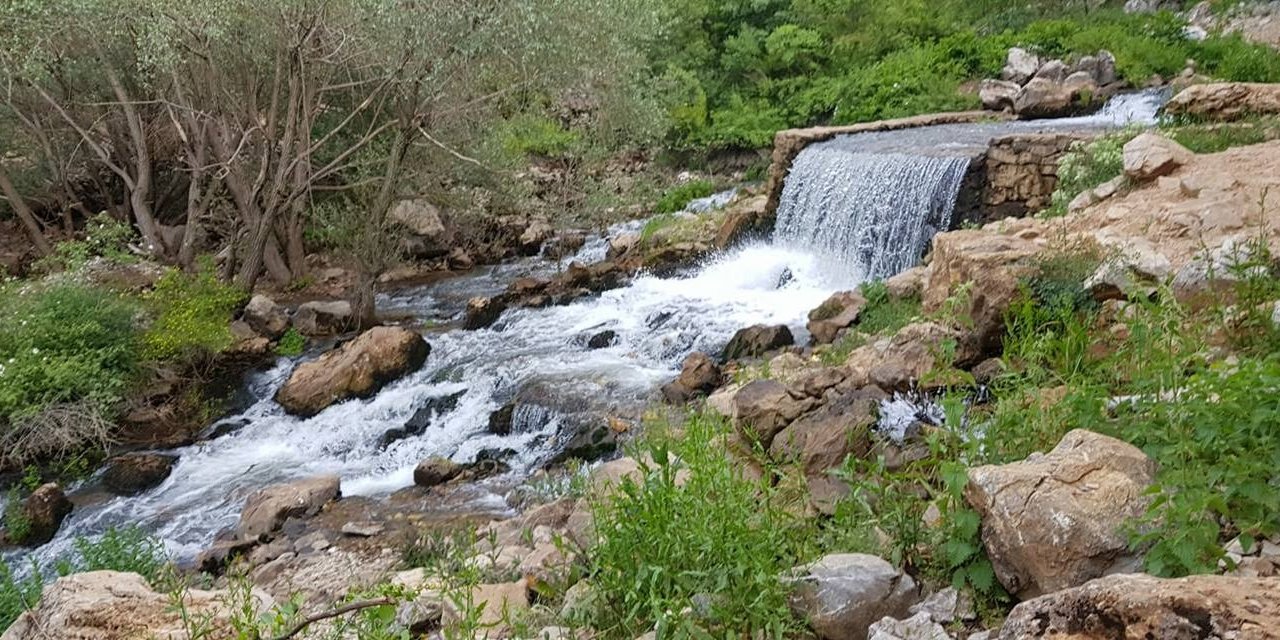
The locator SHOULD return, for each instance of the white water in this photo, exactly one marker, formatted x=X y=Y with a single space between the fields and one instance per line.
x=658 y=322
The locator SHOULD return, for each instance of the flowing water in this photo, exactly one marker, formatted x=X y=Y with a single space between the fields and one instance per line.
x=870 y=215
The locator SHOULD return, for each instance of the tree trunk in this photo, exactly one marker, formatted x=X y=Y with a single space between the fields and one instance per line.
x=363 y=307
x=24 y=213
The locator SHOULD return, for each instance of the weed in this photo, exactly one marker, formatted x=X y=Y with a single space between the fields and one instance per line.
x=291 y=343
x=192 y=314
x=885 y=314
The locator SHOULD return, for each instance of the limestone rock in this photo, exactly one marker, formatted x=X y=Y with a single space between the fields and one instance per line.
x=1020 y=65
x=842 y=595
x=323 y=318
x=622 y=244
x=420 y=217
x=994 y=265
x=1142 y=606
x=902 y=361
x=742 y=219
x=266 y=510
x=357 y=369
x=1043 y=98
x=1055 y=521
x=1053 y=71
x=698 y=376
x=266 y=317
x=823 y=439
x=907 y=284
x=998 y=95
x=133 y=473
x=538 y=232
x=110 y=605
x=837 y=313
x=765 y=407
x=1151 y=155
x=435 y=470
x=918 y=627
x=483 y=312
x=757 y=340
x=1226 y=100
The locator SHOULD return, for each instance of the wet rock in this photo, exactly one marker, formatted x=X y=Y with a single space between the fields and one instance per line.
x=699 y=375
x=606 y=338
x=836 y=314
x=42 y=512
x=585 y=440
x=222 y=553
x=460 y=260
x=822 y=439
x=435 y=470
x=1055 y=521
x=743 y=218
x=264 y=316
x=1151 y=155
x=765 y=407
x=483 y=312
x=422 y=417
x=266 y=510
x=842 y=595
x=1141 y=606
x=1226 y=100
x=323 y=318
x=564 y=245
x=357 y=369
x=111 y=605
x=621 y=245
x=500 y=421
x=538 y=232
x=757 y=340
x=133 y=473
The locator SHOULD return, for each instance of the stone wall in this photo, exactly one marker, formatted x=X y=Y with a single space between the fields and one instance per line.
x=1019 y=174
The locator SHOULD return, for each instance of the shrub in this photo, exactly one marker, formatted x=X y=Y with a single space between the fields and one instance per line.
x=104 y=237
x=528 y=134
x=291 y=343
x=677 y=198
x=714 y=531
x=63 y=344
x=1087 y=165
x=17 y=594
x=192 y=315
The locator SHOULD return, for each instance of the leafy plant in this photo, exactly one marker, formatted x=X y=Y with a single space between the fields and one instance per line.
x=192 y=315
x=1087 y=165
x=885 y=314
x=103 y=237
x=677 y=198
x=291 y=343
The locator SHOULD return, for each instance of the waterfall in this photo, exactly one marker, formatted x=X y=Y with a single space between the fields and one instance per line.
x=866 y=215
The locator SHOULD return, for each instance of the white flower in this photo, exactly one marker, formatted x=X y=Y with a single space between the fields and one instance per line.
x=35 y=350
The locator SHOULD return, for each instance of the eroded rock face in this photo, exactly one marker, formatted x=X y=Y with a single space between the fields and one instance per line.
x=757 y=340
x=1151 y=155
x=902 y=361
x=823 y=438
x=133 y=473
x=1226 y=100
x=266 y=510
x=357 y=369
x=842 y=595
x=1142 y=606
x=1055 y=521
x=837 y=313
x=765 y=407
x=110 y=605
x=993 y=264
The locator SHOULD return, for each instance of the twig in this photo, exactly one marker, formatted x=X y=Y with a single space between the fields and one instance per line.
x=333 y=613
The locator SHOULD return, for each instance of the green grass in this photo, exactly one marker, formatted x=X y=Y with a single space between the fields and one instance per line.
x=192 y=314
x=291 y=344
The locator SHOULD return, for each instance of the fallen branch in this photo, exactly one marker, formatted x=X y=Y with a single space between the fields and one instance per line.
x=333 y=613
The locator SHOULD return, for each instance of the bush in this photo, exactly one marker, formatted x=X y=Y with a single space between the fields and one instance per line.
x=104 y=237
x=63 y=343
x=291 y=343
x=1087 y=165
x=192 y=315
x=678 y=198
x=664 y=541
x=536 y=135
x=17 y=594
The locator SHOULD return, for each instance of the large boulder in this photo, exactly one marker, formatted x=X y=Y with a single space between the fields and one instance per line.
x=991 y=266
x=757 y=340
x=1044 y=98
x=425 y=233
x=765 y=407
x=1151 y=155
x=998 y=95
x=267 y=509
x=1142 y=606
x=110 y=605
x=699 y=375
x=822 y=439
x=357 y=369
x=1055 y=521
x=1020 y=65
x=323 y=318
x=743 y=219
x=1226 y=100
x=842 y=595
x=834 y=315
x=435 y=470
x=482 y=312
x=133 y=473
x=264 y=316
x=42 y=514
x=903 y=360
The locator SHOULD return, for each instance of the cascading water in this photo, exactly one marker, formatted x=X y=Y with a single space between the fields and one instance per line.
x=866 y=215
x=853 y=201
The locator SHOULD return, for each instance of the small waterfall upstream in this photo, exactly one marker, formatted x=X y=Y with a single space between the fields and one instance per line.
x=866 y=215
x=854 y=208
